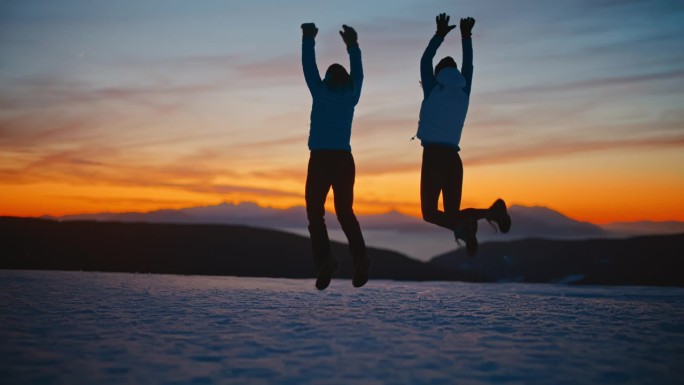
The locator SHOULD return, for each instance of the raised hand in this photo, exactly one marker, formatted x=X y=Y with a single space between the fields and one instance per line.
x=467 y=25
x=349 y=35
x=309 y=30
x=443 y=27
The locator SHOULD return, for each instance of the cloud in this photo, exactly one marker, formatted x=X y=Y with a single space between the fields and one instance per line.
x=507 y=153
x=223 y=189
x=550 y=148
x=29 y=130
x=52 y=91
x=284 y=68
x=265 y=145
x=188 y=63
x=124 y=201
x=111 y=166
x=596 y=83
x=281 y=173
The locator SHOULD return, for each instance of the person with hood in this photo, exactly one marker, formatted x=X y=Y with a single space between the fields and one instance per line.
x=331 y=163
x=446 y=95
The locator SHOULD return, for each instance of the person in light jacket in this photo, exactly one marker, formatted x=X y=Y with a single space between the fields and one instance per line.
x=331 y=163
x=446 y=96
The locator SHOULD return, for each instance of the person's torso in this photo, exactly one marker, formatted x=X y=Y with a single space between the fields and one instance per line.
x=332 y=114
x=443 y=112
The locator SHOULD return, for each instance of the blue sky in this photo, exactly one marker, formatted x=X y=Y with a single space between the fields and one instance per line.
x=208 y=97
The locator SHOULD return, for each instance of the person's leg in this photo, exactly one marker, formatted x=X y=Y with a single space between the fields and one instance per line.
x=433 y=173
x=464 y=221
x=317 y=186
x=343 y=187
x=452 y=191
x=452 y=185
x=498 y=213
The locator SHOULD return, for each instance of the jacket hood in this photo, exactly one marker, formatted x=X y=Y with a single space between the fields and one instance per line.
x=337 y=77
x=451 y=77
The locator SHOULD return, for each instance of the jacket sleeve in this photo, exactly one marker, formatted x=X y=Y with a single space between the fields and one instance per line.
x=355 y=68
x=311 y=74
x=467 y=65
x=427 y=72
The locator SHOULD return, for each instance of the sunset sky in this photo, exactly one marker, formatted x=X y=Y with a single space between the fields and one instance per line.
x=138 y=105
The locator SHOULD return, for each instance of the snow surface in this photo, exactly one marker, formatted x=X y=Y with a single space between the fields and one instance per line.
x=103 y=328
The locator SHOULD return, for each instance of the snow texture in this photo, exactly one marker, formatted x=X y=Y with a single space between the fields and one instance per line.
x=104 y=328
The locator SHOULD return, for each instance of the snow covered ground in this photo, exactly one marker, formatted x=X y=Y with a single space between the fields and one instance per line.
x=101 y=328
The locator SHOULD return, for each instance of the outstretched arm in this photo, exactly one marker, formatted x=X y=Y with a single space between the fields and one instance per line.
x=311 y=74
x=467 y=44
x=355 y=66
x=427 y=73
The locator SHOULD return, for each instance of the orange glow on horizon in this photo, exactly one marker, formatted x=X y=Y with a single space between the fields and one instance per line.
x=33 y=201
x=594 y=189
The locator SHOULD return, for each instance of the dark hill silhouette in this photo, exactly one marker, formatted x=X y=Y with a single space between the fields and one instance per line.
x=395 y=231
x=28 y=243
x=645 y=260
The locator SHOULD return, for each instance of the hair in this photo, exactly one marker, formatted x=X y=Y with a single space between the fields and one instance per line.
x=337 y=77
x=444 y=63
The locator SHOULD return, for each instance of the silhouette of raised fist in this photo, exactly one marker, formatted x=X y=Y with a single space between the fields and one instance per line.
x=309 y=30
x=349 y=35
x=467 y=27
x=443 y=27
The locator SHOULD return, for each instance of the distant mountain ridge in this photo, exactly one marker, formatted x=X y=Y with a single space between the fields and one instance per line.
x=393 y=230
x=250 y=214
x=530 y=221
x=645 y=227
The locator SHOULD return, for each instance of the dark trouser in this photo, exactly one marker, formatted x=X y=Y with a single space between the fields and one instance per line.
x=442 y=172
x=332 y=168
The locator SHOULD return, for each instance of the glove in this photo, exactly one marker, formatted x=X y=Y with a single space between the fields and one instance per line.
x=443 y=27
x=349 y=35
x=467 y=27
x=309 y=30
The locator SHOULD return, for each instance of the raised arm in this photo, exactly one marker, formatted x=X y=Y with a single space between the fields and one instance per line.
x=427 y=72
x=467 y=44
x=350 y=38
x=311 y=74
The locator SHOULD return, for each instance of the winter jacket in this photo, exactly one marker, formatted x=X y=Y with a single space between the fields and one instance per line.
x=332 y=111
x=445 y=97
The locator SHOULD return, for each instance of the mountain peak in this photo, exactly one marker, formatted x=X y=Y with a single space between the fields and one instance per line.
x=392 y=230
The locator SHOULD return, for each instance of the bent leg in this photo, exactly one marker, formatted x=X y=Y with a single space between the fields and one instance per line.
x=452 y=192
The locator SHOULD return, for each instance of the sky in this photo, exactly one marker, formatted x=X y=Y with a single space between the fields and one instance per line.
x=148 y=104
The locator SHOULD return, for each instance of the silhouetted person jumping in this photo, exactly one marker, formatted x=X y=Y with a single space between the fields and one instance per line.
x=331 y=163
x=446 y=94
